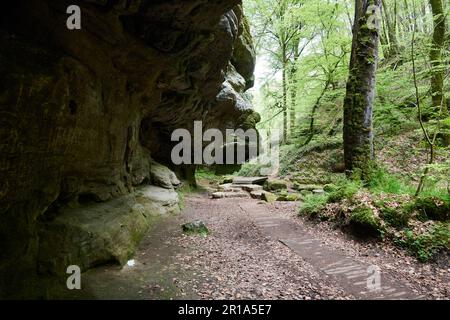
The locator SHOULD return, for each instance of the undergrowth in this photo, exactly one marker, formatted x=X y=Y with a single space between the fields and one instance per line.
x=387 y=205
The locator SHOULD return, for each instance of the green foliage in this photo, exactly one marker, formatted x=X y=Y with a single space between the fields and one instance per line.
x=426 y=245
x=185 y=190
x=434 y=208
x=291 y=155
x=396 y=217
x=316 y=86
x=383 y=181
x=208 y=174
x=205 y=173
x=344 y=189
x=250 y=169
x=313 y=204
x=363 y=219
x=308 y=41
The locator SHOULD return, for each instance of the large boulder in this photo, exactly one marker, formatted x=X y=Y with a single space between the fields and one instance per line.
x=269 y=197
x=101 y=232
x=162 y=176
x=275 y=185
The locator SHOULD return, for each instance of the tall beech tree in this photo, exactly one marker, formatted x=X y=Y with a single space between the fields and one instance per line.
x=359 y=99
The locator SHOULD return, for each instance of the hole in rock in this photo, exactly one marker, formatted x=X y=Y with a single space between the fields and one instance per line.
x=73 y=107
x=87 y=198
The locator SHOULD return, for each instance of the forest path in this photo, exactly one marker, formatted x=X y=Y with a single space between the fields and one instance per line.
x=255 y=251
x=360 y=279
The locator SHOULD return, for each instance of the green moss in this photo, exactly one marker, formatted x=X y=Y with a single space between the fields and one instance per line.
x=227 y=179
x=364 y=222
x=344 y=189
x=275 y=185
x=284 y=196
x=268 y=197
x=433 y=208
x=398 y=217
x=251 y=170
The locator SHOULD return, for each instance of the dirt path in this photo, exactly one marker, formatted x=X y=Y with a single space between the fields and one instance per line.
x=255 y=251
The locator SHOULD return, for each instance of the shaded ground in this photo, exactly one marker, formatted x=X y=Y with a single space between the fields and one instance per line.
x=244 y=259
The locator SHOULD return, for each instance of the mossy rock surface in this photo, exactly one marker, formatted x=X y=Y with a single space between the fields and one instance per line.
x=97 y=233
x=275 y=185
x=195 y=228
x=289 y=197
x=163 y=177
x=306 y=187
x=364 y=223
x=269 y=197
x=396 y=217
x=433 y=208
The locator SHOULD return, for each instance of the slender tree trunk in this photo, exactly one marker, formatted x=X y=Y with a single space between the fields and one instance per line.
x=284 y=85
x=292 y=115
x=424 y=17
x=284 y=106
x=411 y=23
x=293 y=90
x=437 y=77
x=384 y=39
x=392 y=30
x=313 y=113
x=430 y=140
x=358 y=105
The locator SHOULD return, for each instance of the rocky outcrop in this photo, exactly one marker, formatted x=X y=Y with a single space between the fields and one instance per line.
x=82 y=114
x=163 y=177
x=101 y=232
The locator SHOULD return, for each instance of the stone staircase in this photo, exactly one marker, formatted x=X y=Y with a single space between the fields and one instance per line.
x=241 y=187
x=274 y=190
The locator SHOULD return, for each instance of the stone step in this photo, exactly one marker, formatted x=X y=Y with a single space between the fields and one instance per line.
x=256 y=194
x=249 y=180
x=229 y=187
x=222 y=195
x=249 y=187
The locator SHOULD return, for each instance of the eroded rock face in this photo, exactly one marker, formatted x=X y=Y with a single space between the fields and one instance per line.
x=101 y=232
x=82 y=113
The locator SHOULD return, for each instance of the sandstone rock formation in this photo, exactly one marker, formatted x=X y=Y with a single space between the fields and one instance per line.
x=82 y=114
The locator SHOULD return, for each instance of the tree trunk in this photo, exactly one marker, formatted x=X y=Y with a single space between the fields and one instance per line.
x=391 y=29
x=284 y=106
x=293 y=89
x=358 y=105
x=437 y=77
x=292 y=116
